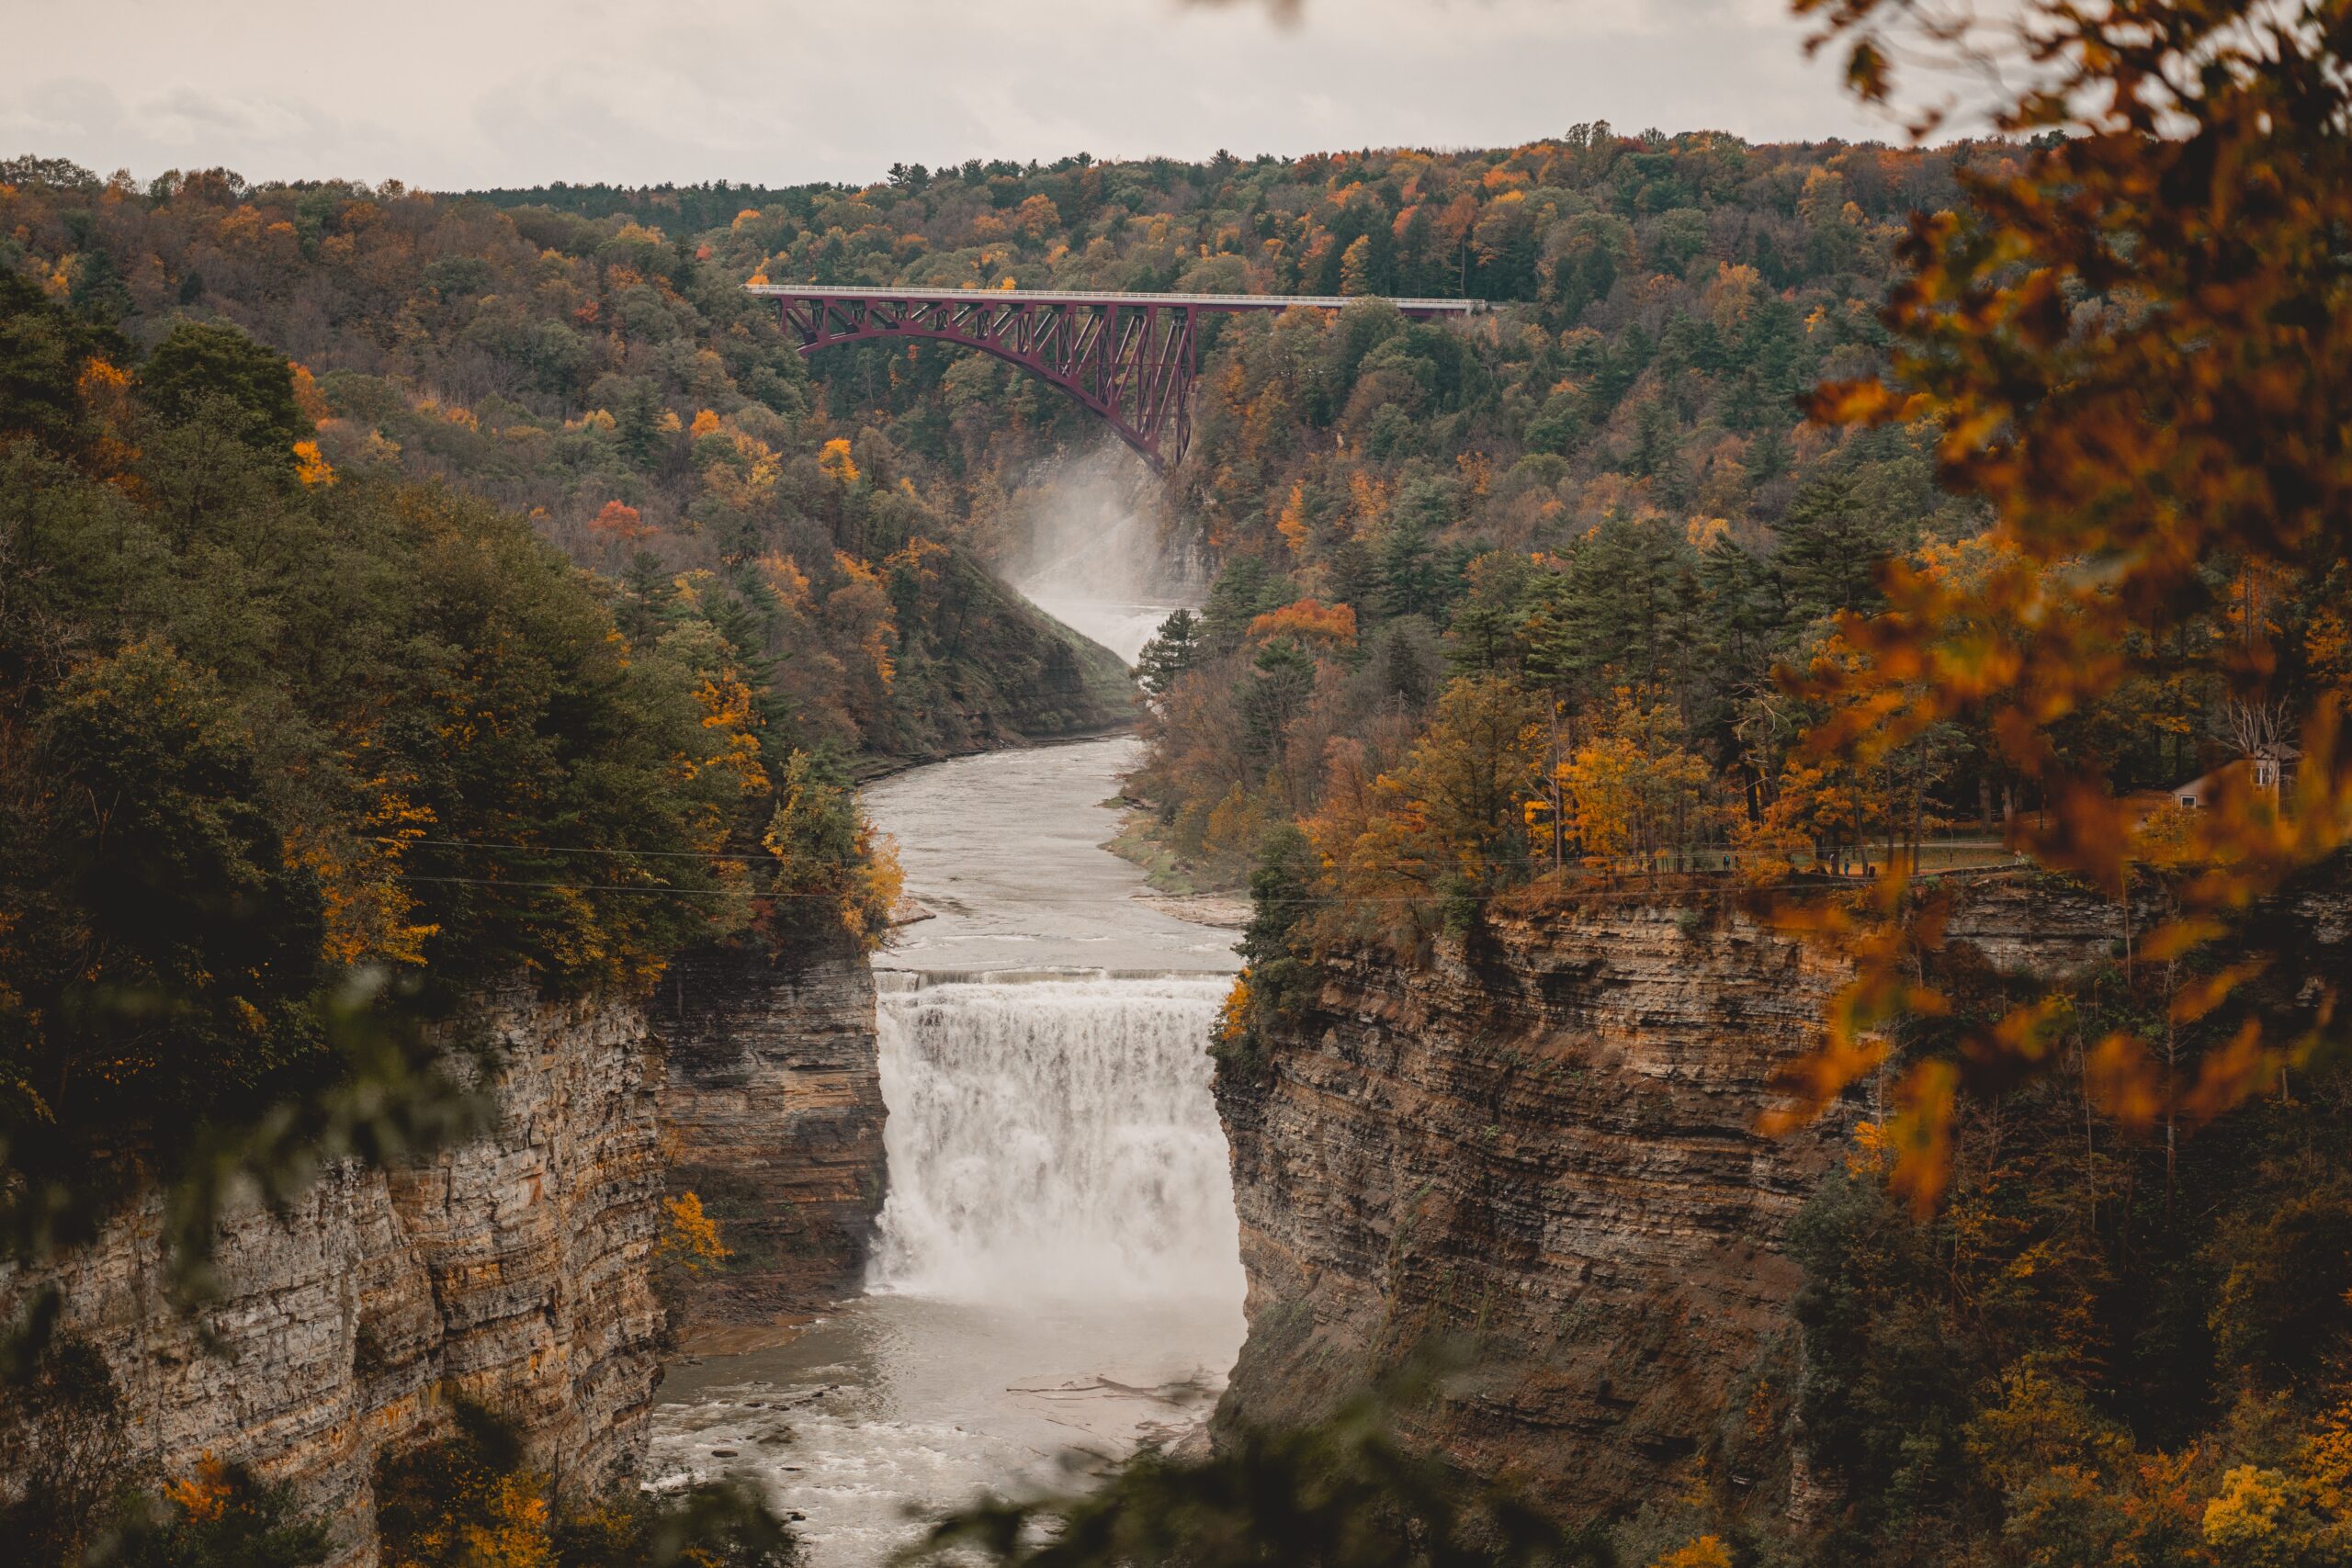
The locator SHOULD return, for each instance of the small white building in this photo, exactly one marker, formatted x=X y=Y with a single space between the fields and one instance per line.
x=2270 y=767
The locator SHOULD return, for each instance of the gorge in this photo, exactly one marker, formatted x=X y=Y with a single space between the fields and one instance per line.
x=997 y=1217
x=561 y=982
x=1055 y=1263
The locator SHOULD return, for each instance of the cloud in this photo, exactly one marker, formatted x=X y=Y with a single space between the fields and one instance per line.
x=65 y=112
x=460 y=93
x=195 y=119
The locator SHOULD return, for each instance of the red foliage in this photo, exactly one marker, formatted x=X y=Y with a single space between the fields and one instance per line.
x=618 y=520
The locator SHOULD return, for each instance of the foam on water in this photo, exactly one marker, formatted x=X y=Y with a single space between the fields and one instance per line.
x=908 y=1403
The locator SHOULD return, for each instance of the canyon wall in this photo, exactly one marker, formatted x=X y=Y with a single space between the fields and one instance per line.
x=518 y=1270
x=513 y=1272
x=771 y=1109
x=1545 y=1139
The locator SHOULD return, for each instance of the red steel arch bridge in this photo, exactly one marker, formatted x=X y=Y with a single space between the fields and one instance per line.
x=1129 y=357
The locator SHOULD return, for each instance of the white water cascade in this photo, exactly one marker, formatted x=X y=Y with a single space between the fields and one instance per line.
x=1058 y=1266
x=1054 y=1136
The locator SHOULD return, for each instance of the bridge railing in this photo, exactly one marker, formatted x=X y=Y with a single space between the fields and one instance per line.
x=1115 y=296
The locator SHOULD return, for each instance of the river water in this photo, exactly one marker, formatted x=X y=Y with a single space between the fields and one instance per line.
x=1057 y=1278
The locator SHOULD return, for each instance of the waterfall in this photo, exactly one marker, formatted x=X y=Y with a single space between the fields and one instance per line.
x=1053 y=1137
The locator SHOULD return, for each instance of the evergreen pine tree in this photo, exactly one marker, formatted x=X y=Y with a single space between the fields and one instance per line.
x=1170 y=653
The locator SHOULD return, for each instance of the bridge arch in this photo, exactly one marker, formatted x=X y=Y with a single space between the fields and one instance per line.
x=1129 y=358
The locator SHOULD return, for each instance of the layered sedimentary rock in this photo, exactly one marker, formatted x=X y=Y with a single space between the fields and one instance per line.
x=1546 y=1140
x=513 y=1272
x=771 y=1109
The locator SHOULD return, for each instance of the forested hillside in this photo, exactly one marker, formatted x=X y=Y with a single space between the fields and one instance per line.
x=1600 y=501
x=618 y=389
x=1527 y=608
x=1521 y=609
x=293 y=761
x=273 y=723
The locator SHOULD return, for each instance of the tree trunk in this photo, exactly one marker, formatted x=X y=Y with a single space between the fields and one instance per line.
x=1918 y=800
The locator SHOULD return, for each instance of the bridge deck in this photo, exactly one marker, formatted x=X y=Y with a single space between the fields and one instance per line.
x=1111 y=297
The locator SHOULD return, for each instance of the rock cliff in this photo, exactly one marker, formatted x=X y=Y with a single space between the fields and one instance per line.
x=771 y=1108
x=513 y=1272
x=517 y=1271
x=1545 y=1139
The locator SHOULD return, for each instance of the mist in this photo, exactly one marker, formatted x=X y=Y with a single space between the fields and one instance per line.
x=1095 y=558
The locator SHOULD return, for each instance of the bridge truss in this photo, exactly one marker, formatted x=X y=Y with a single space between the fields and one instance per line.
x=1131 y=359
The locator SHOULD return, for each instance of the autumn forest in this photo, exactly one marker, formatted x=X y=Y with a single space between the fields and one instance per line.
x=408 y=596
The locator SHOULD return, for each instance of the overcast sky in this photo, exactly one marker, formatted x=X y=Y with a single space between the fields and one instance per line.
x=451 y=94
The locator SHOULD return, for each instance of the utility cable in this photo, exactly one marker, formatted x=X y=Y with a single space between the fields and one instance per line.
x=613 y=887
x=555 y=849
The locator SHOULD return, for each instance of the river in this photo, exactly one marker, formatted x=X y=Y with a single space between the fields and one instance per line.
x=1057 y=1278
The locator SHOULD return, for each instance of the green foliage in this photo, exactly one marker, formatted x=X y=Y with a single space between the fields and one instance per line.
x=2093 y=1354
x=1170 y=653
x=275 y=739
x=1276 y=946
x=815 y=823
x=199 y=363
x=1244 y=589
x=629 y=369
x=1280 y=896
x=725 y=1525
x=437 y=1504
x=244 y=779
x=73 y=1497
x=1827 y=548
x=42 y=352
x=828 y=874
x=472 y=1499
x=188 y=895
x=1603 y=496
x=2279 y=1313
x=64 y=1448
x=1885 y=1398
x=1606 y=498
x=222 y=1517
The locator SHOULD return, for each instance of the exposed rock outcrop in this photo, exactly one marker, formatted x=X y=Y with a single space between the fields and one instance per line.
x=518 y=1271
x=771 y=1109
x=1548 y=1141
x=513 y=1272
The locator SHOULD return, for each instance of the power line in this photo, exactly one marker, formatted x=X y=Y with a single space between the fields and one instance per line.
x=555 y=849
x=615 y=887
x=1589 y=895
